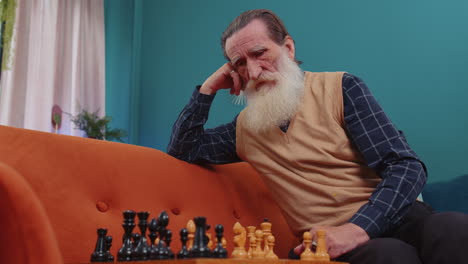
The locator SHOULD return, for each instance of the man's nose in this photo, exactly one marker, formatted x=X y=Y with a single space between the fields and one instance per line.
x=254 y=70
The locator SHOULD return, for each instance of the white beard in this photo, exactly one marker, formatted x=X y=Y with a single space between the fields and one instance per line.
x=273 y=106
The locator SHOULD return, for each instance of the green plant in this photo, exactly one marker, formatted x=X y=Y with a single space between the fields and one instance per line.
x=7 y=21
x=97 y=127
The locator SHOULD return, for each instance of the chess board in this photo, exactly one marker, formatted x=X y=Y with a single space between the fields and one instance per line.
x=222 y=261
x=136 y=249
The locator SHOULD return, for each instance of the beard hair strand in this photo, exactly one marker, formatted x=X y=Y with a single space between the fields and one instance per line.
x=274 y=106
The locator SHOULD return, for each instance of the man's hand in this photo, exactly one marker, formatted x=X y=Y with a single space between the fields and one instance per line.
x=340 y=239
x=224 y=78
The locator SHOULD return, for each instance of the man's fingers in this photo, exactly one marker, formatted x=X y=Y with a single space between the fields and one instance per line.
x=236 y=81
x=299 y=249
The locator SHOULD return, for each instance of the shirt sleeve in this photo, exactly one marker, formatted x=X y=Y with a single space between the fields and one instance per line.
x=385 y=149
x=192 y=143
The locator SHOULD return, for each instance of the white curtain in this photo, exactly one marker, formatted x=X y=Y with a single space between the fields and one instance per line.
x=58 y=58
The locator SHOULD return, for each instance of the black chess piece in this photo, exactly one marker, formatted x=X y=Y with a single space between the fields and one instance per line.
x=219 y=251
x=140 y=252
x=136 y=240
x=168 y=240
x=99 y=254
x=125 y=252
x=153 y=229
x=110 y=258
x=183 y=253
x=163 y=221
x=200 y=248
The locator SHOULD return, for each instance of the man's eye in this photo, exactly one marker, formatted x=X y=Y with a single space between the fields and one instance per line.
x=239 y=63
x=259 y=53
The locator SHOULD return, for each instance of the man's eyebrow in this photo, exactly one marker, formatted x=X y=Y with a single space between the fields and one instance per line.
x=235 y=59
x=257 y=49
x=251 y=51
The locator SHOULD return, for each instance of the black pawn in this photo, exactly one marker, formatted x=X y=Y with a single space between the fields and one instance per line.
x=183 y=253
x=200 y=248
x=153 y=229
x=125 y=252
x=140 y=251
x=99 y=254
x=110 y=258
x=136 y=240
x=219 y=251
x=163 y=221
x=168 y=240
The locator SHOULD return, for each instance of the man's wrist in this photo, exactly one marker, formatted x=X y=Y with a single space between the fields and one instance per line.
x=204 y=89
x=371 y=219
x=201 y=97
x=360 y=235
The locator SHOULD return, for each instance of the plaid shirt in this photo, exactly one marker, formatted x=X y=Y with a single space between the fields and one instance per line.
x=383 y=147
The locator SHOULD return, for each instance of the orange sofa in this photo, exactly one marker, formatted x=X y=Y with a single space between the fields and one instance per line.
x=56 y=190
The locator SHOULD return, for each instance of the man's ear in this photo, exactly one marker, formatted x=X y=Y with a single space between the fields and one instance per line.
x=289 y=46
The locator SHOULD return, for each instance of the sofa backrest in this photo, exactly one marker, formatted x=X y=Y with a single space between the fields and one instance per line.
x=84 y=184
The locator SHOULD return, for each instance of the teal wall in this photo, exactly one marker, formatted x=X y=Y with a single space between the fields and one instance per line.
x=123 y=28
x=412 y=54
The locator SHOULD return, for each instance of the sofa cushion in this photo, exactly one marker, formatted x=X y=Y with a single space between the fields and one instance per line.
x=448 y=196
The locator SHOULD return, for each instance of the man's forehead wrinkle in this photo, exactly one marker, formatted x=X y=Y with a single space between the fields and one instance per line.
x=257 y=48
x=251 y=44
x=254 y=32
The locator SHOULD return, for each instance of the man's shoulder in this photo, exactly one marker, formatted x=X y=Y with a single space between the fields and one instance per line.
x=327 y=74
x=338 y=76
x=346 y=77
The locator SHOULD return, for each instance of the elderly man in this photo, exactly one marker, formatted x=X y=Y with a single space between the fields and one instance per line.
x=329 y=154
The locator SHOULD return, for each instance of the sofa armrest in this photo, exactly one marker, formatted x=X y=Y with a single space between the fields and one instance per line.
x=24 y=222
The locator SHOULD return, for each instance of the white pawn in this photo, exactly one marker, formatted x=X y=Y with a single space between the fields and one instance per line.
x=307 y=254
x=270 y=255
x=258 y=253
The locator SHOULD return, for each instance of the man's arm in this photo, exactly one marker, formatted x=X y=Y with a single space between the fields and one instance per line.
x=192 y=143
x=385 y=149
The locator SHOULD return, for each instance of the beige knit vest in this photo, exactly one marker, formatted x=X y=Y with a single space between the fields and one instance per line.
x=314 y=173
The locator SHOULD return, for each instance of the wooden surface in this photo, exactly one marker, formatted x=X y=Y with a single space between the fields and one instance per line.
x=222 y=261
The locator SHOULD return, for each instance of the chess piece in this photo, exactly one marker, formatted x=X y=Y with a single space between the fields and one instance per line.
x=163 y=221
x=153 y=229
x=110 y=258
x=270 y=255
x=321 y=253
x=125 y=252
x=183 y=253
x=258 y=252
x=240 y=236
x=200 y=248
x=136 y=239
x=210 y=242
x=141 y=250
x=224 y=242
x=307 y=254
x=168 y=244
x=99 y=254
x=219 y=251
x=252 y=246
x=251 y=233
x=266 y=228
x=191 y=233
